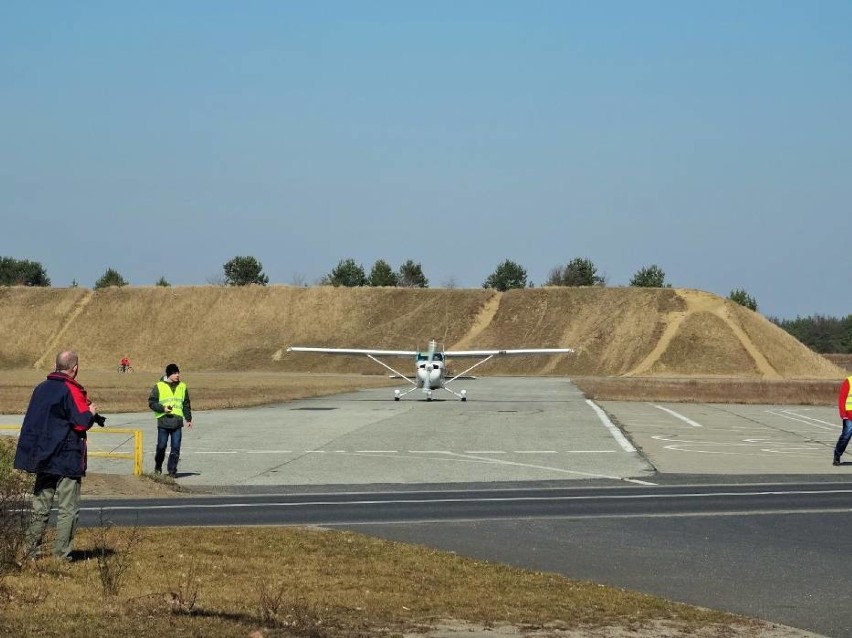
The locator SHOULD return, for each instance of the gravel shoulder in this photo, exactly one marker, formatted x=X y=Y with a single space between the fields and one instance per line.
x=97 y=485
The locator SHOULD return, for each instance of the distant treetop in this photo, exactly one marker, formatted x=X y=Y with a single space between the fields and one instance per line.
x=506 y=276
x=577 y=272
x=22 y=272
x=741 y=297
x=243 y=271
x=650 y=277
x=110 y=278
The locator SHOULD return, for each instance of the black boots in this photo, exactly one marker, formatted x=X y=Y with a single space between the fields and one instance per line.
x=172 y=464
x=159 y=455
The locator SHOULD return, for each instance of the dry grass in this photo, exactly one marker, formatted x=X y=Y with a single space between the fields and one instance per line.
x=843 y=361
x=719 y=390
x=616 y=331
x=300 y=582
x=115 y=393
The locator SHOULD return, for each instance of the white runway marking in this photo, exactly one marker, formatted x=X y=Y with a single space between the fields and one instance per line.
x=803 y=418
x=749 y=447
x=590 y=451
x=536 y=452
x=219 y=452
x=549 y=469
x=190 y=452
x=683 y=418
x=626 y=445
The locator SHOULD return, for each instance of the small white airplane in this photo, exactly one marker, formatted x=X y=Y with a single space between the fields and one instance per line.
x=431 y=365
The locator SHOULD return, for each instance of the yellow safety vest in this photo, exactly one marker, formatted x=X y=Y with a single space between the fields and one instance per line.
x=849 y=396
x=174 y=399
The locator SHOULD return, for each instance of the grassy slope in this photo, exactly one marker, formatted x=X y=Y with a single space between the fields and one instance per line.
x=616 y=331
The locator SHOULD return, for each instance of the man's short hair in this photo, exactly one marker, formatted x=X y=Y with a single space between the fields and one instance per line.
x=66 y=360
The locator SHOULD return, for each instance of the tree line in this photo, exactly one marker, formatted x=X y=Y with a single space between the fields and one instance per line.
x=826 y=335
x=822 y=334
x=247 y=270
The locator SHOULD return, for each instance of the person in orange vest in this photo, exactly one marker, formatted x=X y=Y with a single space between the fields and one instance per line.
x=844 y=403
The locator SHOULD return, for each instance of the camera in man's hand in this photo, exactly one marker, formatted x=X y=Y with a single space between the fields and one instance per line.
x=99 y=419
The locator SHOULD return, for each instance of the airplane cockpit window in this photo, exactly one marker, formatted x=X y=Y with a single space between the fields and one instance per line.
x=424 y=356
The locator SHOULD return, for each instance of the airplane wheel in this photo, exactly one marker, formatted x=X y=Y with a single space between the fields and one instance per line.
x=396 y=398
x=464 y=398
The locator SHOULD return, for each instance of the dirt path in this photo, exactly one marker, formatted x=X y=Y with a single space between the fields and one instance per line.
x=50 y=348
x=697 y=301
x=482 y=321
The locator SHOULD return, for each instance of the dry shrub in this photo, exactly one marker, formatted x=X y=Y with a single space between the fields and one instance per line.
x=15 y=508
x=113 y=550
x=300 y=617
x=183 y=597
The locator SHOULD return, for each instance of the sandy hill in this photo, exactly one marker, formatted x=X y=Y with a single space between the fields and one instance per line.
x=616 y=331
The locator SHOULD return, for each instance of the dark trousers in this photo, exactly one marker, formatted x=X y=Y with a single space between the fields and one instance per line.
x=843 y=441
x=165 y=438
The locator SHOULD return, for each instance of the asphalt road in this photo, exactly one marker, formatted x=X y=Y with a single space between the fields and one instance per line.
x=766 y=550
x=730 y=507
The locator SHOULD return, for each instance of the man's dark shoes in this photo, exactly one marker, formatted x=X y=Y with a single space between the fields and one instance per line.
x=158 y=470
x=836 y=460
x=174 y=474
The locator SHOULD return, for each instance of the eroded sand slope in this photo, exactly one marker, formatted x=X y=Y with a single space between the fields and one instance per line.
x=616 y=331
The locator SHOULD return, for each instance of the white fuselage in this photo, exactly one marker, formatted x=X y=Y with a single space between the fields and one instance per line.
x=430 y=368
x=430 y=374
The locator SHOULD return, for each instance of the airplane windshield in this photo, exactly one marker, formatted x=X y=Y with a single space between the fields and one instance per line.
x=424 y=356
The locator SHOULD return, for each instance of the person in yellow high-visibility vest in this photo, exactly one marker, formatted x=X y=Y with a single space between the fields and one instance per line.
x=169 y=399
x=844 y=403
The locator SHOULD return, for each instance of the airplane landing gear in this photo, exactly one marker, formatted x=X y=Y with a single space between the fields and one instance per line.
x=396 y=395
x=461 y=394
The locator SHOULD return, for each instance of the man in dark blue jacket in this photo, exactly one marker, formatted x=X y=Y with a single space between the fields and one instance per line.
x=52 y=445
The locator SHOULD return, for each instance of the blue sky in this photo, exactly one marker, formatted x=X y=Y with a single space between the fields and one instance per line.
x=164 y=138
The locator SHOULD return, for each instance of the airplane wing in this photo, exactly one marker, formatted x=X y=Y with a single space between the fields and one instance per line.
x=355 y=351
x=493 y=353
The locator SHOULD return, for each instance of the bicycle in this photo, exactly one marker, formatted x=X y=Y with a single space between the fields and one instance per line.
x=125 y=369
